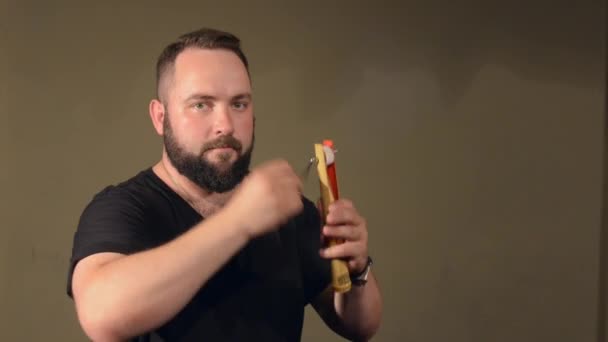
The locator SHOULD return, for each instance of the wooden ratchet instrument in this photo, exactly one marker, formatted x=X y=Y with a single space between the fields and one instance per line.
x=329 y=193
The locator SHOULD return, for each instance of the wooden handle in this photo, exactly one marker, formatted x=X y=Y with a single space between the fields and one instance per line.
x=339 y=270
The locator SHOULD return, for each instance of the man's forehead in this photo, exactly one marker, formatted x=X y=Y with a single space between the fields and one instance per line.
x=217 y=72
x=208 y=61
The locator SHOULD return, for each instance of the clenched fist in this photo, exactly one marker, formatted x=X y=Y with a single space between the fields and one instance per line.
x=268 y=197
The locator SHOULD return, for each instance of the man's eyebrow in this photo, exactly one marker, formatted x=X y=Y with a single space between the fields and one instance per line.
x=200 y=96
x=243 y=96
x=207 y=97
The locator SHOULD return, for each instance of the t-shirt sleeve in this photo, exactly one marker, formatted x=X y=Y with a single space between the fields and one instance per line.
x=316 y=271
x=112 y=222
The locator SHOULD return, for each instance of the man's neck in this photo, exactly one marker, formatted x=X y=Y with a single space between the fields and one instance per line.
x=206 y=203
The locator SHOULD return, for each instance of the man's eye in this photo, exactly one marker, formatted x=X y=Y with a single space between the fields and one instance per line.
x=239 y=105
x=203 y=106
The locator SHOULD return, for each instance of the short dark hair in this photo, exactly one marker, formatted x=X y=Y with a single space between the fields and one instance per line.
x=204 y=38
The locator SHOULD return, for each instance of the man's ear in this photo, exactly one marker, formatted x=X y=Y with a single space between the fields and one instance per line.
x=157 y=114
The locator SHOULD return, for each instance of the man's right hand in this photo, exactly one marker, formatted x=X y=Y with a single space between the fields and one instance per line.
x=113 y=291
x=268 y=197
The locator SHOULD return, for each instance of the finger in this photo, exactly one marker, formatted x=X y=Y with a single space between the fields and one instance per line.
x=357 y=266
x=289 y=180
x=283 y=170
x=346 y=232
x=295 y=179
x=339 y=215
x=291 y=183
x=344 y=203
x=343 y=250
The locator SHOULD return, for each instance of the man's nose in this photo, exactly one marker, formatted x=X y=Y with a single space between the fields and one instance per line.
x=222 y=124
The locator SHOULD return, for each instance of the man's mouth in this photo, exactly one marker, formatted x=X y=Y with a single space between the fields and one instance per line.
x=225 y=144
x=223 y=148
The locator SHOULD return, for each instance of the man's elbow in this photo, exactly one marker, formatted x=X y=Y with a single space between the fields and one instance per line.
x=97 y=330
x=99 y=321
x=364 y=333
x=367 y=330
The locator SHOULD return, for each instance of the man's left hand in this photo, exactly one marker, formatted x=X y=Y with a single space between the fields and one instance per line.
x=344 y=222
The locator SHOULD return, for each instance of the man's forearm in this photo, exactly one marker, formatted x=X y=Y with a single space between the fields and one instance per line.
x=139 y=292
x=360 y=310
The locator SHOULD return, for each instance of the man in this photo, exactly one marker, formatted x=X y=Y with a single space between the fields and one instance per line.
x=200 y=248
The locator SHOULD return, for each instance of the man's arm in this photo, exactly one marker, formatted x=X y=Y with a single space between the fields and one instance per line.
x=356 y=314
x=119 y=296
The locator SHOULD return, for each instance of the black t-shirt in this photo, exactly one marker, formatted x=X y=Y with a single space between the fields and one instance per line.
x=260 y=294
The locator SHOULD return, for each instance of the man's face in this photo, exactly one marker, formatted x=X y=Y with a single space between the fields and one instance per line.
x=208 y=124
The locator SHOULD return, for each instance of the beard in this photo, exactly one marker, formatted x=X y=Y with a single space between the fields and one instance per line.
x=202 y=172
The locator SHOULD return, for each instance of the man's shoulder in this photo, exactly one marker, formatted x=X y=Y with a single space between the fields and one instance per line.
x=137 y=190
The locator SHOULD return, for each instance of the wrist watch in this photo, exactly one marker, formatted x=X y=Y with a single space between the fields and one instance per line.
x=360 y=279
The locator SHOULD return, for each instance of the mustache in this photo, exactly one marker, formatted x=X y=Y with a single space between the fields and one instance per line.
x=222 y=142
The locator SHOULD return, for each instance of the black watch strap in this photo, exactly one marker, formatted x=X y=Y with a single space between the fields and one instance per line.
x=360 y=279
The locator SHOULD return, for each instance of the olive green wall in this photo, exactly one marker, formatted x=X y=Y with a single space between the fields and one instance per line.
x=470 y=135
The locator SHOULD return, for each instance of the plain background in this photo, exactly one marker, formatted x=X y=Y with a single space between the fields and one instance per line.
x=469 y=134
